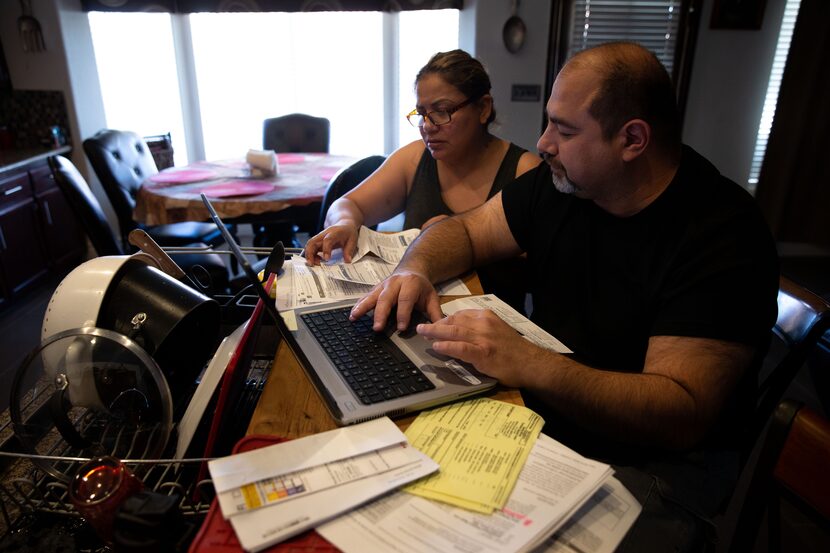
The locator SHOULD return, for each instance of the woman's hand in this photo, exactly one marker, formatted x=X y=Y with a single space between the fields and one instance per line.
x=340 y=235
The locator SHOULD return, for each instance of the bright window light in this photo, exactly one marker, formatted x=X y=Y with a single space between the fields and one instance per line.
x=421 y=34
x=779 y=62
x=137 y=71
x=252 y=66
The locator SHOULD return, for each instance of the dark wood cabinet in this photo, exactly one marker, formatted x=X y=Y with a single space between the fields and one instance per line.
x=39 y=235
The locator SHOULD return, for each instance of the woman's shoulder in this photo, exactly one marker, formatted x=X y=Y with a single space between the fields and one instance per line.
x=526 y=160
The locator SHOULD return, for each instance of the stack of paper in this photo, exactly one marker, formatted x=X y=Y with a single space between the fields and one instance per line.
x=276 y=492
x=481 y=445
x=334 y=280
x=553 y=484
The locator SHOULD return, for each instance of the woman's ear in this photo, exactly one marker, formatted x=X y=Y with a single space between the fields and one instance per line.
x=635 y=136
x=486 y=108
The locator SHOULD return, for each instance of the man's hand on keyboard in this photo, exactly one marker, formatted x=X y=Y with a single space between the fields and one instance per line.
x=407 y=290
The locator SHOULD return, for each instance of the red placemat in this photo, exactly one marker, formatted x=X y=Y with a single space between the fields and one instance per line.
x=290 y=158
x=217 y=536
x=182 y=176
x=233 y=188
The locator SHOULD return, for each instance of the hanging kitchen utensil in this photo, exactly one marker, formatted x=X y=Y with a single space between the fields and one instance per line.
x=514 y=31
x=29 y=29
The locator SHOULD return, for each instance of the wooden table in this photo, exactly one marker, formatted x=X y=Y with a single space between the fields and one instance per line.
x=172 y=196
x=290 y=407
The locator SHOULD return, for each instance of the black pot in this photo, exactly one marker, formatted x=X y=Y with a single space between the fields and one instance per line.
x=177 y=325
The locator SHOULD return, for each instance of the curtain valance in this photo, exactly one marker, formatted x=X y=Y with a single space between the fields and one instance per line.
x=194 y=6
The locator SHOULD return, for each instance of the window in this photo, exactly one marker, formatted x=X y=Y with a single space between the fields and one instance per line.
x=651 y=23
x=779 y=61
x=415 y=52
x=250 y=66
x=139 y=86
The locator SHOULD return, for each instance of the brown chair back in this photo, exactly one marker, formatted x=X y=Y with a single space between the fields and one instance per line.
x=296 y=132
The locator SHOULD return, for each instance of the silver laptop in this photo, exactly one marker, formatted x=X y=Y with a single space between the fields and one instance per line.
x=360 y=374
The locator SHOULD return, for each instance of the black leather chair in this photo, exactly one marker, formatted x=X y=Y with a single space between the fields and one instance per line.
x=296 y=132
x=803 y=317
x=91 y=216
x=122 y=161
x=346 y=179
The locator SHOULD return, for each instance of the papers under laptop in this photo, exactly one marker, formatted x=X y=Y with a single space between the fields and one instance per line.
x=360 y=374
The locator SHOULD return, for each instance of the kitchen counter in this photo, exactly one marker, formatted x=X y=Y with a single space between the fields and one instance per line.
x=11 y=160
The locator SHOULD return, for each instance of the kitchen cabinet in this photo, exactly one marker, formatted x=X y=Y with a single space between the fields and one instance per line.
x=39 y=236
x=22 y=259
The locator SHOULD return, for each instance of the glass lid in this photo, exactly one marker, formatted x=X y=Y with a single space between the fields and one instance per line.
x=87 y=392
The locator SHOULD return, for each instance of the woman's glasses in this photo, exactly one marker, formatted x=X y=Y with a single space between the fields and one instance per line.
x=437 y=117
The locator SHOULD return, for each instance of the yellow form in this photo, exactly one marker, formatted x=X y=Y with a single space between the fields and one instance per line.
x=481 y=446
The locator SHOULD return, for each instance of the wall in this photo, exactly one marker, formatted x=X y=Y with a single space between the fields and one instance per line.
x=727 y=88
x=67 y=65
x=481 y=34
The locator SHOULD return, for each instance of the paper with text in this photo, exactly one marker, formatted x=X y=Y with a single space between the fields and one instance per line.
x=481 y=445
x=293 y=485
x=389 y=246
x=302 y=285
x=264 y=527
x=554 y=482
x=239 y=469
x=527 y=328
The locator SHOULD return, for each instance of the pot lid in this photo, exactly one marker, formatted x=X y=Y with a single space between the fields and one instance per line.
x=87 y=392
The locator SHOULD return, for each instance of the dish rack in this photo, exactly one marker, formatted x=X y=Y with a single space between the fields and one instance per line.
x=28 y=485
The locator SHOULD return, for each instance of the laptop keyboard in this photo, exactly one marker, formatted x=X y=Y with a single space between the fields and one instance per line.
x=370 y=362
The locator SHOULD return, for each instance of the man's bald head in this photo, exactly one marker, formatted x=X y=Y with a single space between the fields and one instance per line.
x=633 y=84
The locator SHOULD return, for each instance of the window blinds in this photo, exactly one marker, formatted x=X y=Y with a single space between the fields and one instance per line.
x=651 y=23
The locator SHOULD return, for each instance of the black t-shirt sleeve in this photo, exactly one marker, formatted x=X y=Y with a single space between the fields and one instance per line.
x=520 y=200
x=723 y=284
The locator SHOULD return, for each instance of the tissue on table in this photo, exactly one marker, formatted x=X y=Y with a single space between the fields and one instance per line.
x=263 y=163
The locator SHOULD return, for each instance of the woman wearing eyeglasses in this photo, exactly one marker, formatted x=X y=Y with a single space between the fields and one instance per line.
x=456 y=166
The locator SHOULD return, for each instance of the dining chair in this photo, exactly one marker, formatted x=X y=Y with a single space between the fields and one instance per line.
x=89 y=212
x=803 y=318
x=296 y=132
x=792 y=465
x=122 y=161
x=346 y=179
x=292 y=133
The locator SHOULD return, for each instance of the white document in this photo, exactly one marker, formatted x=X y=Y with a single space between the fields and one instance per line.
x=554 y=482
x=388 y=246
x=302 y=285
x=369 y=270
x=204 y=391
x=291 y=486
x=599 y=525
x=251 y=466
x=522 y=324
x=264 y=527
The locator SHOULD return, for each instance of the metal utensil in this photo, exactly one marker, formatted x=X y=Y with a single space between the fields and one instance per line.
x=29 y=28
x=514 y=32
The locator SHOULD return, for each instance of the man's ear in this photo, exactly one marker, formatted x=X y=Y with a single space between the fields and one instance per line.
x=635 y=136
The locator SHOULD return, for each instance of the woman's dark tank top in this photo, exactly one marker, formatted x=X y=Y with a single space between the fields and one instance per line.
x=425 y=202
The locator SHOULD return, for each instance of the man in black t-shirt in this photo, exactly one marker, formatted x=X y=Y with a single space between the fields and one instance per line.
x=658 y=272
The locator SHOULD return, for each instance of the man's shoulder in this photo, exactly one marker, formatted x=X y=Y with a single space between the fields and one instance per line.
x=702 y=184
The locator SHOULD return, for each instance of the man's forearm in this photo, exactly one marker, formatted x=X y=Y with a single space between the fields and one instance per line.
x=441 y=252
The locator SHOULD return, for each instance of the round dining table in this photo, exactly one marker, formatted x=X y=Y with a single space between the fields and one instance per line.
x=237 y=193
